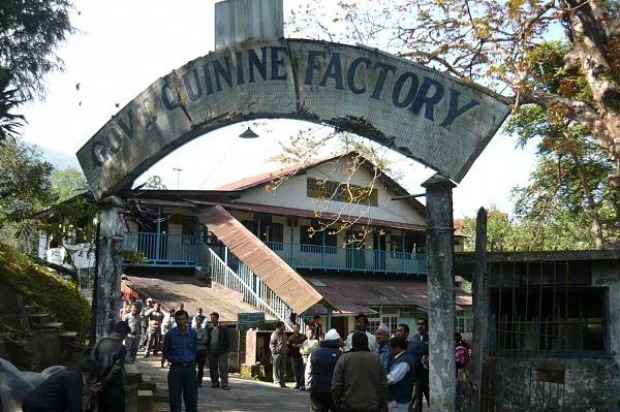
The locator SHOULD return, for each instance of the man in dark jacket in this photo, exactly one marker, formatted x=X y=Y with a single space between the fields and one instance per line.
x=62 y=391
x=109 y=354
x=320 y=372
x=360 y=382
x=218 y=345
x=400 y=377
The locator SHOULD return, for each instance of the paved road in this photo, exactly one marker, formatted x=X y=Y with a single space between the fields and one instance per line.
x=244 y=395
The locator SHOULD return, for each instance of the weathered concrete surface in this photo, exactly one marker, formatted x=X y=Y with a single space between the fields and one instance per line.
x=109 y=264
x=440 y=246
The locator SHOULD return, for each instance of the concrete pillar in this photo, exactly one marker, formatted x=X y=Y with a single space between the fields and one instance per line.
x=109 y=264
x=480 y=348
x=440 y=249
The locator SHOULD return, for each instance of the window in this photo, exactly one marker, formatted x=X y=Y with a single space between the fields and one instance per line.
x=340 y=192
x=548 y=319
x=275 y=236
x=316 y=239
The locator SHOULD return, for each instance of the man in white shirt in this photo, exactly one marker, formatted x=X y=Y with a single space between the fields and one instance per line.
x=361 y=325
x=401 y=376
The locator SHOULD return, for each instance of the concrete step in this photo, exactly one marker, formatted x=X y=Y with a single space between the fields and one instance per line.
x=38 y=318
x=145 y=401
x=48 y=325
x=148 y=383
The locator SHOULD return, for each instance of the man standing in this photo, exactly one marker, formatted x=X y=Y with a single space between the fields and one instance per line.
x=403 y=331
x=201 y=350
x=62 y=391
x=109 y=355
x=200 y=316
x=218 y=345
x=132 y=341
x=180 y=350
x=154 y=317
x=418 y=349
x=401 y=376
x=294 y=344
x=361 y=325
x=277 y=344
x=320 y=371
x=383 y=336
x=360 y=382
x=150 y=304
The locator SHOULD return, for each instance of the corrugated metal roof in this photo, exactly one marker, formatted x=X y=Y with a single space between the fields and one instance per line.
x=298 y=294
x=170 y=290
x=351 y=295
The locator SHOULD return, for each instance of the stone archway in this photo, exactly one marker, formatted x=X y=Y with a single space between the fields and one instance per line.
x=423 y=114
x=427 y=116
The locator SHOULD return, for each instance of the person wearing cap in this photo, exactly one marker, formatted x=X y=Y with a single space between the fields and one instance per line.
x=109 y=355
x=360 y=382
x=320 y=371
x=383 y=336
x=361 y=325
x=401 y=376
x=218 y=345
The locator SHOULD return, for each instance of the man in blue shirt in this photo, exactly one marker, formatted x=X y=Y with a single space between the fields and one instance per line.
x=180 y=350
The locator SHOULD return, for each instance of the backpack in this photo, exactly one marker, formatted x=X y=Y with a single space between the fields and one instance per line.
x=462 y=356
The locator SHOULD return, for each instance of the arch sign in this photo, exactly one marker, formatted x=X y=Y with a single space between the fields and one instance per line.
x=427 y=116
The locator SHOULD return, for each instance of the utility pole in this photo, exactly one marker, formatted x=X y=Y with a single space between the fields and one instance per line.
x=178 y=170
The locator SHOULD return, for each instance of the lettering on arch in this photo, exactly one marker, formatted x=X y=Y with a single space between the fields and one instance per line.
x=425 y=115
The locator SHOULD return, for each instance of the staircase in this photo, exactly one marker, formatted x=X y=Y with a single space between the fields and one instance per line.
x=253 y=289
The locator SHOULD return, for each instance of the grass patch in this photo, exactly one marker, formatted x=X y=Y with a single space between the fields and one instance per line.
x=42 y=288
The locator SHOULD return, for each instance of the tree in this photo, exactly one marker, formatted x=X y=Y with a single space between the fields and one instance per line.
x=67 y=183
x=492 y=43
x=30 y=31
x=500 y=231
x=24 y=182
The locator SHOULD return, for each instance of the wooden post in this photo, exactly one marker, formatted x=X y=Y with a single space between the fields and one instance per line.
x=440 y=245
x=481 y=312
x=109 y=264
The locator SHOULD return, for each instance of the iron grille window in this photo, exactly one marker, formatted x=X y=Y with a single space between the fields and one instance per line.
x=547 y=320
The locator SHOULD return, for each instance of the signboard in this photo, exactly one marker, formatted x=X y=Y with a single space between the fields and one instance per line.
x=427 y=116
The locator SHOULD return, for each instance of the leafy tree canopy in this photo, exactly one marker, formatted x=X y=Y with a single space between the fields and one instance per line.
x=494 y=43
x=30 y=31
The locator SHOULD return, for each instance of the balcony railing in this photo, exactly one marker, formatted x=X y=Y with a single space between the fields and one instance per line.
x=185 y=250
x=304 y=256
x=162 y=248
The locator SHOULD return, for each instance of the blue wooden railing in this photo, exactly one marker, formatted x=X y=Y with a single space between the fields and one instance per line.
x=188 y=250
x=161 y=249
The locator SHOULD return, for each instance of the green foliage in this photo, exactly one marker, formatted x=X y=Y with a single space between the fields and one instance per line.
x=44 y=290
x=67 y=183
x=30 y=31
x=24 y=182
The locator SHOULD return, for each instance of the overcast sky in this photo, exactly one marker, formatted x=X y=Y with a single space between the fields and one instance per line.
x=125 y=45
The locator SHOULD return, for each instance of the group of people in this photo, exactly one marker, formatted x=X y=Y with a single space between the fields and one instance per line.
x=186 y=344
x=364 y=372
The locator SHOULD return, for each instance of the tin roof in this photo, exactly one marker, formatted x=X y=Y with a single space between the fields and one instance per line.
x=351 y=295
x=298 y=294
x=170 y=290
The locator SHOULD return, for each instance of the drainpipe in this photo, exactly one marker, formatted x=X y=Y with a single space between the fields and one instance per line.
x=440 y=233
x=329 y=319
x=158 y=236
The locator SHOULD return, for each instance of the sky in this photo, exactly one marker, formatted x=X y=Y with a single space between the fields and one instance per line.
x=122 y=46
